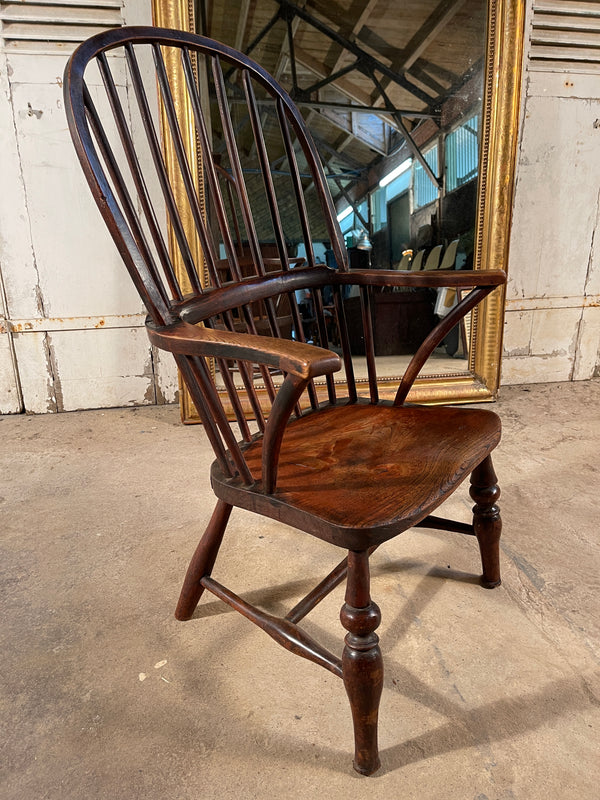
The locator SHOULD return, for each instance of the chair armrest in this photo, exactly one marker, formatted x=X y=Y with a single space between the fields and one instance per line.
x=305 y=361
x=431 y=279
x=298 y=361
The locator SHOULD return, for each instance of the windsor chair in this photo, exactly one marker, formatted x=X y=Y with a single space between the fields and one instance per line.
x=353 y=469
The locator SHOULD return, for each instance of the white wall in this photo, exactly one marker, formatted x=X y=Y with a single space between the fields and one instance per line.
x=552 y=329
x=71 y=324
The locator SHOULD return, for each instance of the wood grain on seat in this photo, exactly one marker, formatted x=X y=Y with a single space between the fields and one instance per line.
x=371 y=471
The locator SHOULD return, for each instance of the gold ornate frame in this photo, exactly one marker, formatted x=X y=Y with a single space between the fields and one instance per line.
x=498 y=153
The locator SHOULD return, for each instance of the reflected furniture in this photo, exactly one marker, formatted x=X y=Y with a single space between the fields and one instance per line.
x=449 y=258
x=404 y=262
x=433 y=258
x=354 y=471
x=417 y=262
x=401 y=321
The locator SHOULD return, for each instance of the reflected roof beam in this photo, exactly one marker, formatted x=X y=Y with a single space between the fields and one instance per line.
x=345 y=86
x=363 y=9
x=422 y=39
x=340 y=156
x=374 y=138
x=356 y=109
x=412 y=145
x=241 y=26
x=345 y=107
x=351 y=201
x=354 y=93
x=417 y=73
x=286 y=53
x=431 y=28
x=366 y=63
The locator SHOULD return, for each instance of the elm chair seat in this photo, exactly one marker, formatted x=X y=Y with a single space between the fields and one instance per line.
x=360 y=474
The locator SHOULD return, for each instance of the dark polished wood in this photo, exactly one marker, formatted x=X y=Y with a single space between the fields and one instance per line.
x=202 y=561
x=285 y=632
x=402 y=321
x=353 y=469
x=487 y=523
x=362 y=664
x=344 y=471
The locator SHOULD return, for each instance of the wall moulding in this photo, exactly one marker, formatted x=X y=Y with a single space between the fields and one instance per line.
x=548 y=303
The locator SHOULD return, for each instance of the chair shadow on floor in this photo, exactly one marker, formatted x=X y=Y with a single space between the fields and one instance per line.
x=481 y=727
x=465 y=727
x=272 y=598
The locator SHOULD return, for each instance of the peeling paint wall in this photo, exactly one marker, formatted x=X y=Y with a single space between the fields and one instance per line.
x=10 y=393
x=552 y=327
x=71 y=324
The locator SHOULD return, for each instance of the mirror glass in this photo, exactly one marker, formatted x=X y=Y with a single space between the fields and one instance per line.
x=392 y=94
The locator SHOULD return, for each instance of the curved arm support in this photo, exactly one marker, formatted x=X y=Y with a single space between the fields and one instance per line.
x=285 y=400
x=305 y=361
x=435 y=337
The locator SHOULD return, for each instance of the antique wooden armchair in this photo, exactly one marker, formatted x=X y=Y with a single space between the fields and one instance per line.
x=339 y=464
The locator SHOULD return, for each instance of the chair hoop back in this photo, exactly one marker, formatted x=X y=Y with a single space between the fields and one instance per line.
x=224 y=234
x=132 y=62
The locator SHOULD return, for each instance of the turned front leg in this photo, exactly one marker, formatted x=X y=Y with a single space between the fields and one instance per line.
x=486 y=520
x=362 y=664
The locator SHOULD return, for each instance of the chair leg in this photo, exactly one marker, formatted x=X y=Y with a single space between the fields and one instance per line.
x=362 y=664
x=486 y=520
x=202 y=561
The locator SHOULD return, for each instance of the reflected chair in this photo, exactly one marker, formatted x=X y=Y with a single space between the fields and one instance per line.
x=433 y=259
x=404 y=262
x=246 y=261
x=417 y=262
x=449 y=258
x=447 y=298
x=333 y=460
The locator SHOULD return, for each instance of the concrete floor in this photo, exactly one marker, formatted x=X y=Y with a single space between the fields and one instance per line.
x=488 y=694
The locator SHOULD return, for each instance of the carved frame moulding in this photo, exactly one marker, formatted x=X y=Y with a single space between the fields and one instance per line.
x=499 y=126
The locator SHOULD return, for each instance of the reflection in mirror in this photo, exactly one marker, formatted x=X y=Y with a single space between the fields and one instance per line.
x=392 y=94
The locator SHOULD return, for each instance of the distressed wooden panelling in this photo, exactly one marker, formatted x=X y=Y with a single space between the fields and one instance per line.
x=10 y=396
x=17 y=260
x=536 y=369
x=35 y=372
x=9 y=393
x=565 y=35
x=116 y=363
x=67 y=293
x=73 y=279
x=54 y=27
x=166 y=377
x=552 y=327
x=587 y=359
x=65 y=370
x=558 y=183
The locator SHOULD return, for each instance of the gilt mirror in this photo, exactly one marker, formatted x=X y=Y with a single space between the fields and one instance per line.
x=414 y=109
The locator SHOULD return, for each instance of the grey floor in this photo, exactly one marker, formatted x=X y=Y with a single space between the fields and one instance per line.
x=488 y=694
